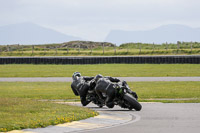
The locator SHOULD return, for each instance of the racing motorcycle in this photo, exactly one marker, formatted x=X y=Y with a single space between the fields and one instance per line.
x=125 y=99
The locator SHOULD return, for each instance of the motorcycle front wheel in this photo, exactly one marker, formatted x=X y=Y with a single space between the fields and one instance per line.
x=134 y=104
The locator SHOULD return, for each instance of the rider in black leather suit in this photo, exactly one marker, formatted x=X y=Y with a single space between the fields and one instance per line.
x=105 y=85
x=80 y=86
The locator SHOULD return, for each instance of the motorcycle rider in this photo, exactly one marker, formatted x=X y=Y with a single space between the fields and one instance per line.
x=80 y=86
x=105 y=85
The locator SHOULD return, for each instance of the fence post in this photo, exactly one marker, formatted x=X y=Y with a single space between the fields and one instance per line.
x=11 y=49
x=8 y=48
x=67 y=50
x=56 y=50
x=18 y=48
x=191 y=46
x=79 y=49
x=153 y=46
x=115 y=48
x=103 y=48
x=44 y=49
x=178 y=45
x=166 y=46
x=91 y=49
x=32 y=49
x=22 y=49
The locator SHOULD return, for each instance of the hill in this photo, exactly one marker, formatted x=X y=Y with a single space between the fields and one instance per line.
x=29 y=33
x=86 y=44
x=167 y=33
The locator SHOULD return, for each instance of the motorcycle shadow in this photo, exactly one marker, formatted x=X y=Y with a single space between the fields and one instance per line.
x=109 y=109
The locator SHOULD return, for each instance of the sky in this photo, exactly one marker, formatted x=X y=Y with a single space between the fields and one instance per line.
x=94 y=19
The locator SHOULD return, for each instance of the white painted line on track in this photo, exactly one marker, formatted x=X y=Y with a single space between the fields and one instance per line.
x=105 y=119
x=135 y=118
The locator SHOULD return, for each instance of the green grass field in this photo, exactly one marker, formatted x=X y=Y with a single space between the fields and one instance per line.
x=20 y=113
x=60 y=90
x=19 y=109
x=36 y=90
x=115 y=70
x=153 y=91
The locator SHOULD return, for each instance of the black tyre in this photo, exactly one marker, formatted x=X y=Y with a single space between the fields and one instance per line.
x=133 y=102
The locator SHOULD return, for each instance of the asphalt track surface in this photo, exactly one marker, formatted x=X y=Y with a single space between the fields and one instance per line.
x=69 y=79
x=153 y=118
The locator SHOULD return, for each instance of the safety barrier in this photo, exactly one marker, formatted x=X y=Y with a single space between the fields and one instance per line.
x=103 y=60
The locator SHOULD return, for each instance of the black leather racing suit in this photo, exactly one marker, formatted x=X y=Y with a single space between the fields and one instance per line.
x=80 y=86
x=105 y=85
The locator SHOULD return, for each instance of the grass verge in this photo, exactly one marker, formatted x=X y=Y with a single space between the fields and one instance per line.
x=168 y=92
x=120 y=70
x=21 y=113
x=36 y=90
x=107 y=52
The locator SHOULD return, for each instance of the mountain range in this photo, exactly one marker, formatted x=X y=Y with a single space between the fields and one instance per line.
x=29 y=33
x=166 y=33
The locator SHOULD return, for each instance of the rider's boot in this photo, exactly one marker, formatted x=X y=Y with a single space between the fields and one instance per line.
x=110 y=104
x=84 y=102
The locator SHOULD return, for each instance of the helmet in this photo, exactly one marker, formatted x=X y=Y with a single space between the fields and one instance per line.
x=98 y=77
x=76 y=74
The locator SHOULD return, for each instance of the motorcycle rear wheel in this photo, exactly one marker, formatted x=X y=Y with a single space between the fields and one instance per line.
x=134 y=104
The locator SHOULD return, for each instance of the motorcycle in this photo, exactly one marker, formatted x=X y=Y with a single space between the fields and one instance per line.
x=125 y=99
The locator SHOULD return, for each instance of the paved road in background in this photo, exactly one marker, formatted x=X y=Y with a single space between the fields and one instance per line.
x=153 y=118
x=69 y=79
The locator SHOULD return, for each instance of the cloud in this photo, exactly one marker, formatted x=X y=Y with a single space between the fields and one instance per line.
x=93 y=19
